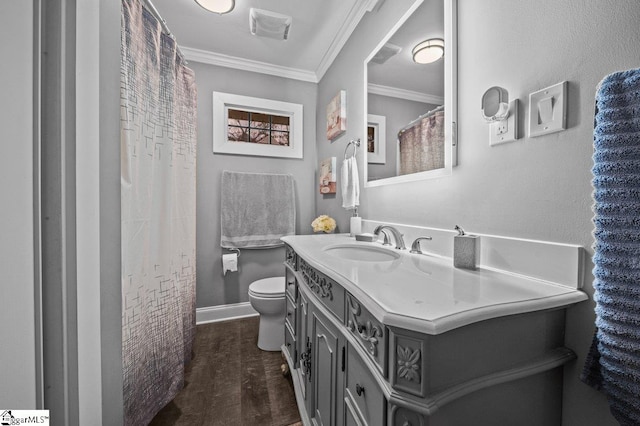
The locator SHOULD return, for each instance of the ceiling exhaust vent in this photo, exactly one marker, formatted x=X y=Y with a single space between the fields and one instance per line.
x=385 y=53
x=264 y=23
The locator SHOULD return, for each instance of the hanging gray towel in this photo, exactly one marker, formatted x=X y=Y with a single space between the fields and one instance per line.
x=613 y=362
x=256 y=209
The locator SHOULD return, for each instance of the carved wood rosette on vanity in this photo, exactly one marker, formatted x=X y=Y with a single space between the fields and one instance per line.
x=407 y=351
x=408 y=363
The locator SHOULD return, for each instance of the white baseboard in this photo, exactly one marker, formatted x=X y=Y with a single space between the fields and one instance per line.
x=224 y=312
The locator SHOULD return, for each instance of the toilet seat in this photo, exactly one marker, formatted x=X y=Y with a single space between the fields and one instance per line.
x=273 y=287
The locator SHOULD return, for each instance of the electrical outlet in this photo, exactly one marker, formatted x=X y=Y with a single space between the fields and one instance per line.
x=506 y=130
x=502 y=127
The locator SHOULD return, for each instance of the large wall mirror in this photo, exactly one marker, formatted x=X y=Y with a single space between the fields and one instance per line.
x=411 y=97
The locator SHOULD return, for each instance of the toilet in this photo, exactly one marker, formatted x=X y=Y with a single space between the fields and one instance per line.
x=268 y=299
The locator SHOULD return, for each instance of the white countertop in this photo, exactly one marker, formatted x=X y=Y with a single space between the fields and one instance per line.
x=426 y=293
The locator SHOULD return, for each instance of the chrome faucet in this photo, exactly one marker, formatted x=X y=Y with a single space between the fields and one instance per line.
x=397 y=236
x=415 y=247
x=385 y=238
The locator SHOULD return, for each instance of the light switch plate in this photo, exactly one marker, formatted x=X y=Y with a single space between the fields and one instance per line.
x=506 y=130
x=548 y=110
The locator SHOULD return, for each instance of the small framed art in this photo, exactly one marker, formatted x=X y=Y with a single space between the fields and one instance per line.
x=337 y=115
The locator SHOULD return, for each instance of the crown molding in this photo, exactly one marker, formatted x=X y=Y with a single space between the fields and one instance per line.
x=219 y=59
x=349 y=25
x=410 y=95
x=356 y=13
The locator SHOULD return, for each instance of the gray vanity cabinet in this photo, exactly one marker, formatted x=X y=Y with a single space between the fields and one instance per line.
x=334 y=385
x=350 y=368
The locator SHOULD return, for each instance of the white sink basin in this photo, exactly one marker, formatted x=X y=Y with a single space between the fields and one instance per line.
x=363 y=253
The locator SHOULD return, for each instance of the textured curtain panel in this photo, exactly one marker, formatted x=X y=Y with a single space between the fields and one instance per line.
x=158 y=159
x=422 y=145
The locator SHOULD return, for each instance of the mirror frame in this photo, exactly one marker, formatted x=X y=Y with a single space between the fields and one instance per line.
x=450 y=97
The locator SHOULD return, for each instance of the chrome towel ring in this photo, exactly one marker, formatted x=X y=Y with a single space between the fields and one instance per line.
x=355 y=144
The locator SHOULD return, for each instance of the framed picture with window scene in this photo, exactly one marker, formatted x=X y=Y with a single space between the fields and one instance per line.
x=244 y=125
x=376 y=139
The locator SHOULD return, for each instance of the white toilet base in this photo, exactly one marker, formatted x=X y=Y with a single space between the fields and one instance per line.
x=272 y=310
x=271 y=332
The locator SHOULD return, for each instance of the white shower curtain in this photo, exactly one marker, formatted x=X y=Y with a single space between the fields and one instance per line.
x=158 y=160
x=422 y=145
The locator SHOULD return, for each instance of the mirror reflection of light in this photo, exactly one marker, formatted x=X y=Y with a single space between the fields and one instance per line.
x=428 y=51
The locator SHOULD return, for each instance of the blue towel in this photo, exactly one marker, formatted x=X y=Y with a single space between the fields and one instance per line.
x=613 y=362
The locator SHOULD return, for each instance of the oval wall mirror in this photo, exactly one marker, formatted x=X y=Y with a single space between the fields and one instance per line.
x=411 y=105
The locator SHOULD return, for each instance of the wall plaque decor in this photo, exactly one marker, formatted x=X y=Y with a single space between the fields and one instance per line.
x=337 y=115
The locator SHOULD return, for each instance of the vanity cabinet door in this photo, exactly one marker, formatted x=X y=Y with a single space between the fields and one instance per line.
x=362 y=390
x=304 y=348
x=351 y=416
x=326 y=359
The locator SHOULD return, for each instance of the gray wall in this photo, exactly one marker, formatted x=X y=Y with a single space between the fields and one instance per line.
x=17 y=316
x=347 y=72
x=538 y=188
x=398 y=113
x=212 y=287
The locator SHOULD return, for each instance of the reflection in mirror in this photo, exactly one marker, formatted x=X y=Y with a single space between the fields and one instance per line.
x=415 y=100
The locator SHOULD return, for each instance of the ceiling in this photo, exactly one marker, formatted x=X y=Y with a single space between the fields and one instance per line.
x=318 y=32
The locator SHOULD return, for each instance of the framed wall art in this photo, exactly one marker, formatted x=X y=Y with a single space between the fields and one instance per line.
x=244 y=125
x=376 y=139
x=328 y=176
x=337 y=115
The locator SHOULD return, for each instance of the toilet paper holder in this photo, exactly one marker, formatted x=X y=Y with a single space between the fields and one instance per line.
x=230 y=260
x=233 y=249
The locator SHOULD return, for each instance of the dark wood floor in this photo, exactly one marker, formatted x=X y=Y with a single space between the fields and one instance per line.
x=232 y=382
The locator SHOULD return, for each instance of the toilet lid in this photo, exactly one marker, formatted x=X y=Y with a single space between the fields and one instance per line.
x=268 y=287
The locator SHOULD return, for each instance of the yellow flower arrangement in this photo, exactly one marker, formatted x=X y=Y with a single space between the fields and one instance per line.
x=323 y=223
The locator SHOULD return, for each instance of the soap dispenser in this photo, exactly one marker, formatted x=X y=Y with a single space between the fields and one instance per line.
x=355 y=227
x=466 y=250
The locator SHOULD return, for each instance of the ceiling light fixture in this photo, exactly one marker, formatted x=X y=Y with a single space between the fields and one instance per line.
x=217 y=6
x=428 y=51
